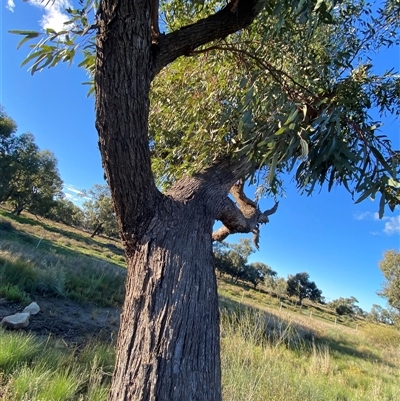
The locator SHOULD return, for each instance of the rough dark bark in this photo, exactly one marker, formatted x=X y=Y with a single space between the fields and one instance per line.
x=235 y=16
x=241 y=216
x=97 y=230
x=18 y=210
x=168 y=347
x=168 y=344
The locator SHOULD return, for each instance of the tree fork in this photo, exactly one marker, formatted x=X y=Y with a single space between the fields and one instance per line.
x=168 y=343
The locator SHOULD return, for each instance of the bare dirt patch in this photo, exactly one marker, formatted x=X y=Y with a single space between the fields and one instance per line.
x=69 y=321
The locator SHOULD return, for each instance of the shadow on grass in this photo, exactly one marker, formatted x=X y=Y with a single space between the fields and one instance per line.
x=295 y=331
x=46 y=268
x=29 y=238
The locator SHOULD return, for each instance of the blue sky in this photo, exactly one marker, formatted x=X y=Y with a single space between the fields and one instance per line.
x=337 y=242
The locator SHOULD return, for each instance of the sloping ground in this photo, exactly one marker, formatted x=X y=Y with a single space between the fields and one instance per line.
x=271 y=348
x=71 y=322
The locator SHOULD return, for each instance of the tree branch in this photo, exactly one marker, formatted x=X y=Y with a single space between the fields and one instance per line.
x=242 y=217
x=237 y=15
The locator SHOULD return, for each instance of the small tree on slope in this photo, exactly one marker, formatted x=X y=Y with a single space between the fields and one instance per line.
x=300 y=286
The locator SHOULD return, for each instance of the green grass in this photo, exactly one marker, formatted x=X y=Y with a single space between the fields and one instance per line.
x=14 y=293
x=33 y=271
x=271 y=349
x=262 y=359
x=259 y=366
x=58 y=238
x=42 y=371
x=38 y=258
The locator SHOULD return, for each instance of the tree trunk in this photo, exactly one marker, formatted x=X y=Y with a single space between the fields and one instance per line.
x=18 y=210
x=168 y=344
x=168 y=347
x=97 y=230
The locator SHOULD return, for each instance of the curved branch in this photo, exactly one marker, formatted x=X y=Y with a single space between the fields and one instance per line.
x=242 y=217
x=237 y=15
x=261 y=62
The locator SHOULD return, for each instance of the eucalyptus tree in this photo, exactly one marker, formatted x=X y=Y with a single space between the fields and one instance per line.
x=262 y=273
x=231 y=259
x=266 y=88
x=29 y=176
x=99 y=212
x=66 y=212
x=345 y=306
x=301 y=287
x=390 y=268
x=36 y=182
x=8 y=138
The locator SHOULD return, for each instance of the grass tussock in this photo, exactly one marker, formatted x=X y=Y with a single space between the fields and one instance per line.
x=26 y=271
x=258 y=366
x=56 y=237
x=41 y=371
x=272 y=350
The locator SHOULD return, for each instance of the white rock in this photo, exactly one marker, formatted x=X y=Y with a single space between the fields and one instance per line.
x=33 y=309
x=16 y=321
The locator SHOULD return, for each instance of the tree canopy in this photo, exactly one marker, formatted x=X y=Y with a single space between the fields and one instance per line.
x=99 y=212
x=232 y=259
x=292 y=93
x=346 y=306
x=390 y=268
x=300 y=286
x=30 y=178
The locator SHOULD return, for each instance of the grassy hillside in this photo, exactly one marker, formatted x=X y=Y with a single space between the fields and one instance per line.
x=271 y=350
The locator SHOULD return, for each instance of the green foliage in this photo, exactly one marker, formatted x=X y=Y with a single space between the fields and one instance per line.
x=297 y=99
x=66 y=212
x=30 y=178
x=258 y=273
x=99 y=211
x=8 y=128
x=280 y=286
x=381 y=315
x=390 y=267
x=346 y=306
x=292 y=93
x=300 y=286
x=232 y=259
x=14 y=293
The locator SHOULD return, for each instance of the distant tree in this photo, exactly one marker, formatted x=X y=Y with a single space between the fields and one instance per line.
x=257 y=273
x=66 y=212
x=8 y=128
x=280 y=287
x=379 y=314
x=221 y=261
x=300 y=286
x=390 y=267
x=345 y=306
x=31 y=179
x=232 y=259
x=99 y=211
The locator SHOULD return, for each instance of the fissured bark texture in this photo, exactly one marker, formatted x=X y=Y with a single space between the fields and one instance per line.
x=168 y=344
